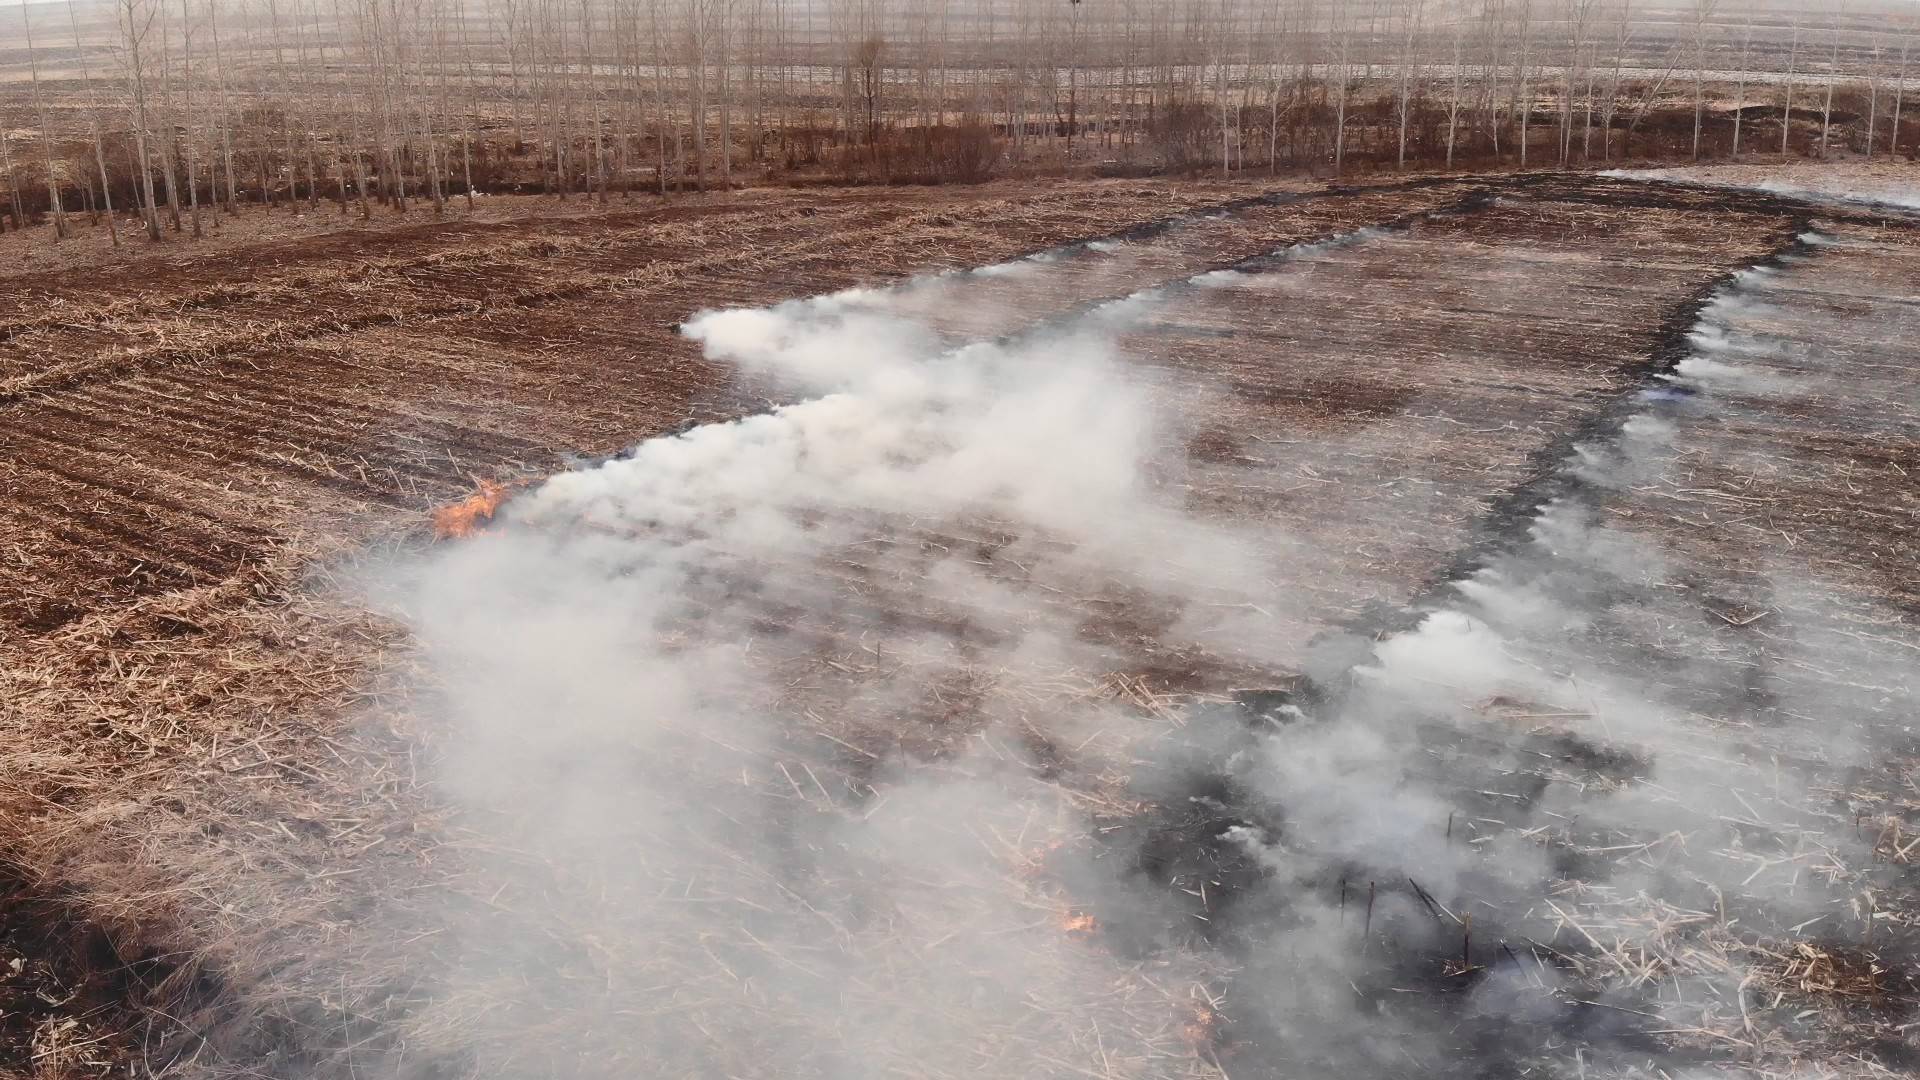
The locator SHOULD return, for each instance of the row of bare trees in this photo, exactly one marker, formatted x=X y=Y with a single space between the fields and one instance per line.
x=175 y=109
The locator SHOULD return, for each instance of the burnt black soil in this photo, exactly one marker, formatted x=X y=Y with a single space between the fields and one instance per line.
x=70 y=999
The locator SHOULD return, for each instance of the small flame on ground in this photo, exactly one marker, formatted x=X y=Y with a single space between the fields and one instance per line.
x=1202 y=1026
x=1079 y=924
x=464 y=517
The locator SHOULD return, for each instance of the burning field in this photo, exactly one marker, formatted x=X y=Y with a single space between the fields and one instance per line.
x=1455 y=627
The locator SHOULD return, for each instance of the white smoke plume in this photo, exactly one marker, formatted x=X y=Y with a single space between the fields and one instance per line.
x=1819 y=185
x=763 y=720
x=1594 y=631
x=808 y=744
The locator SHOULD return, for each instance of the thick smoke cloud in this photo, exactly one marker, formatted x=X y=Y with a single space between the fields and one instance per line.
x=804 y=745
x=1815 y=184
x=679 y=679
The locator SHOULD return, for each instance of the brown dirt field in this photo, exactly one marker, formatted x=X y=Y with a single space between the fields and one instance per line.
x=212 y=757
x=499 y=326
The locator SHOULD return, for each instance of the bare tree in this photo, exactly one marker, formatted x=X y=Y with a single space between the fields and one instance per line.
x=724 y=16
x=1579 y=13
x=13 y=178
x=1740 y=94
x=1899 y=95
x=1493 y=17
x=1410 y=16
x=287 y=115
x=1793 y=63
x=226 y=107
x=1522 y=77
x=473 y=107
x=353 y=147
x=60 y=228
x=1873 y=101
x=1833 y=75
x=1347 y=20
x=699 y=23
x=93 y=121
x=193 y=190
x=866 y=59
x=1702 y=11
x=308 y=122
x=1613 y=83
x=1459 y=70
x=1073 y=72
x=660 y=94
x=1219 y=41
x=167 y=144
x=136 y=21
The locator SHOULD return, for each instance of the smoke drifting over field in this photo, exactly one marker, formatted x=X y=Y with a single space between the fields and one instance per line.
x=808 y=744
x=1813 y=184
x=668 y=668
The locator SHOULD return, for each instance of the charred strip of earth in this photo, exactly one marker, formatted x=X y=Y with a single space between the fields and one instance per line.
x=1410 y=963
x=1512 y=514
x=1211 y=844
x=1475 y=201
x=1750 y=200
x=1158 y=227
x=55 y=963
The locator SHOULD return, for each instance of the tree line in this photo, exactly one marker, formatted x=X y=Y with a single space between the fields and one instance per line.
x=171 y=110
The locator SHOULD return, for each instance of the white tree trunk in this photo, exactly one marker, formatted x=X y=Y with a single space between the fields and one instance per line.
x=60 y=228
x=93 y=119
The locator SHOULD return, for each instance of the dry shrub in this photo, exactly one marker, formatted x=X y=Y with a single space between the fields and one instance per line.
x=802 y=142
x=962 y=153
x=1185 y=136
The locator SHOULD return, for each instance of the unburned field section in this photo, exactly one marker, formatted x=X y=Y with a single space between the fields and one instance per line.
x=82 y=326
x=1007 y=298
x=158 y=442
x=58 y=327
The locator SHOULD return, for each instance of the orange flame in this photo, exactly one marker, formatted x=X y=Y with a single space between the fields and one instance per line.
x=1202 y=1026
x=464 y=517
x=1079 y=924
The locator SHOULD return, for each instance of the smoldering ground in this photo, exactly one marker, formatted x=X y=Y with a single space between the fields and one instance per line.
x=1813 y=184
x=810 y=745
